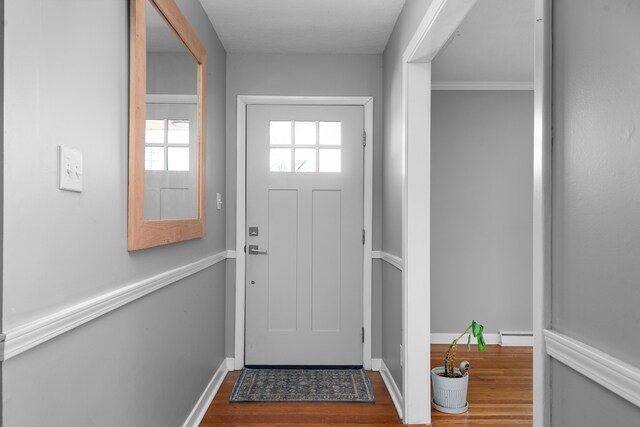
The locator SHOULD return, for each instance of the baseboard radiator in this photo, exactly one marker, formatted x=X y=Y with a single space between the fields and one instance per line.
x=516 y=339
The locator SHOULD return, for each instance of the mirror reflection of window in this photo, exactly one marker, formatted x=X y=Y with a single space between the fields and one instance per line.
x=178 y=159
x=165 y=142
x=178 y=131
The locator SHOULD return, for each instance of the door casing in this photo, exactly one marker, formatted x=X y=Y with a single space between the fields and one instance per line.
x=242 y=101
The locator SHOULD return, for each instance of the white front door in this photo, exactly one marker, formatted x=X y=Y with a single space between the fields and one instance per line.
x=304 y=235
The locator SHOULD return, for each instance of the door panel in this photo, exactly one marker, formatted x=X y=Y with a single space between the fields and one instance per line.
x=327 y=261
x=282 y=261
x=305 y=196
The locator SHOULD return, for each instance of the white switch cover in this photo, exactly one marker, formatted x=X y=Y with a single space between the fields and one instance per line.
x=218 y=201
x=70 y=166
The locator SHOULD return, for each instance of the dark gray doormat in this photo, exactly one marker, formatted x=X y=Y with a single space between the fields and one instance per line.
x=302 y=385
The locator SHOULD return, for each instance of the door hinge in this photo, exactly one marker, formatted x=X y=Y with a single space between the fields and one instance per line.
x=364 y=138
x=363 y=236
x=362 y=334
x=245 y=249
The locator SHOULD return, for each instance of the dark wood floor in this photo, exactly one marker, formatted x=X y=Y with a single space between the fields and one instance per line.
x=500 y=393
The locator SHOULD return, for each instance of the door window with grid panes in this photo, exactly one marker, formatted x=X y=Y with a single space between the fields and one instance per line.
x=305 y=146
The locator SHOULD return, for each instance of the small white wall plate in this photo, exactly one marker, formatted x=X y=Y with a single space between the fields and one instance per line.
x=70 y=169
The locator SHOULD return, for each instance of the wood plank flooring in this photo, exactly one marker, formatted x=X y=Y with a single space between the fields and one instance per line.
x=500 y=387
x=500 y=393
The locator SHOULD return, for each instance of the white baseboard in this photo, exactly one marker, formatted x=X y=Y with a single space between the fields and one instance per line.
x=614 y=374
x=393 y=389
x=516 y=339
x=376 y=364
x=505 y=339
x=447 y=338
x=209 y=393
x=231 y=363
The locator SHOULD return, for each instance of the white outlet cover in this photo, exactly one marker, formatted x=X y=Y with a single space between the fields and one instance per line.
x=70 y=169
x=218 y=201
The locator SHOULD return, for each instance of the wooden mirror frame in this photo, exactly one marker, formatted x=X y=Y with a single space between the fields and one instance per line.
x=143 y=233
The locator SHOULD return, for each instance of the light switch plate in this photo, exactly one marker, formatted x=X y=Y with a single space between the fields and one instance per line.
x=218 y=201
x=70 y=169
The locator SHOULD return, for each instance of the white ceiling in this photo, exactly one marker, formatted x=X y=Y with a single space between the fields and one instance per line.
x=494 y=43
x=303 y=26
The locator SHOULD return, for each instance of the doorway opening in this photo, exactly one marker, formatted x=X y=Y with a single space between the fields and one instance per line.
x=440 y=21
x=482 y=115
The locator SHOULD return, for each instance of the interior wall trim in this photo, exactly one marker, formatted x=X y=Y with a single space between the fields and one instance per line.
x=392 y=388
x=200 y=409
x=470 y=85
x=24 y=337
x=388 y=258
x=438 y=338
x=615 y=375
x=516 y=339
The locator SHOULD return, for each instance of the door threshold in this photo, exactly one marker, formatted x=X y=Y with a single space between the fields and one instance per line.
x=303 y=366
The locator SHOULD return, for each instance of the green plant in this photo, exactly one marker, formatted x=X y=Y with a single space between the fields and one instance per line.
x=476 y=330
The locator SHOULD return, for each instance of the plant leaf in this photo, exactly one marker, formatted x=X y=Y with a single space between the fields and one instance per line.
x=469 y=342
x=481 y=344
x=476 y=328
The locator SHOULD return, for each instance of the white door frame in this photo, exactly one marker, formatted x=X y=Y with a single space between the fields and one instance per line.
x=441 y=19
x=243 y=102
x=542 y=143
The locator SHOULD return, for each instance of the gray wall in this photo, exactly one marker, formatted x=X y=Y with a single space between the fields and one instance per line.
x=596 y=202
x=67 y=80
x=579 y=402
x=392 y=320
x=406 y=25
x=173 y=73
x=301 y=74
x=481 y=217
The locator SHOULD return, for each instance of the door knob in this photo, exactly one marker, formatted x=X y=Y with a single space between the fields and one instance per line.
x=253 y=250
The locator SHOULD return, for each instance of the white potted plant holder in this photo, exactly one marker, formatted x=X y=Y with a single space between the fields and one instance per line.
x=449 y=394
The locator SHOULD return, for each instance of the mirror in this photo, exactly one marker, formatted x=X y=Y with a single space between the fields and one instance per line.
x=166 y=144
x=170 y=152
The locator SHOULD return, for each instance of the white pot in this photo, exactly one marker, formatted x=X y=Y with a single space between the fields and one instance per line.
x=450 y=393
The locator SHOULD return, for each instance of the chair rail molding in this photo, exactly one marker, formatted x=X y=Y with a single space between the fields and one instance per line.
x=613 y=374
x=24 y=337
x=393 y=260
x=479 y=85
